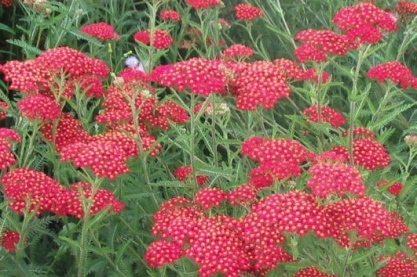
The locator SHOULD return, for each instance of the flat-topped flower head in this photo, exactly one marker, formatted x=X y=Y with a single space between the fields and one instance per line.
x=100 y=30
x=335 y=178
x=317 y=44
x=203 y=4
x=400 y=264
x=40 y=107
x=326 y=114
x=247 y=12
x=394 y=71
x=312 y=271
x=160 y=39
x=237 y=51
x=364 y=22
x=170 y=15
x=9 y=239
x=196 y=75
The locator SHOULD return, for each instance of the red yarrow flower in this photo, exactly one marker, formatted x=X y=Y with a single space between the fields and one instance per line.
x=317 y=44
x=237 y=51
x=203 y=4
x=9 y=239
x=100 y=30
x=247 y=12
x=326 y=114
x=170 y=15
x=103 y=157
x=364 y=22
x=160 y=39
x=197 y=75
x=335 y=178
x=312 y=271
x=6 y=3
x=3 y=110
x=184 y=173
x=208 y=198
x=398 y=265
x=7 y=138
x=163 y=252
x=394 y=71
x=393 y=188
x=39 y=107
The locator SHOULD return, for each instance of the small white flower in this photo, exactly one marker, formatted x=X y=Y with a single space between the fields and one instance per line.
x=132 y=62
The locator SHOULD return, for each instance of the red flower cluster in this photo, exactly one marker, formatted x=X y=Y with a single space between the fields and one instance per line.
x=210 y=197
x=363 y=23
x=278 y=158
x=412 y=241
x=247 y=12
x=68 y=130
x=405 y=7
x=100 y=30
x=326 y=114
x=312 y=271
x=330 y=178
x=103 y=157
x=202 y=4
x=368 y=217
x=9 y=239
x=360 y=132
x=160 y=39
x=367 y=152
x=289 y=68
x=170 y=15
x=318 y=43
x=197 y=75
x=237 y=50
x=40 y=107
x=258 y=83
x=184 y=173
x=39 y=75
x=394 y=188
x=7 y=137
x=118 y=109
x=211 y=242
x=242 y=195
x=398 y=265
x=7 y=3
x=3 y=108
x=24 y=186
x=394 y=71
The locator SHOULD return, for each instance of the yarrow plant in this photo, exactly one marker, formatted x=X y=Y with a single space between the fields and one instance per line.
x=207 y=138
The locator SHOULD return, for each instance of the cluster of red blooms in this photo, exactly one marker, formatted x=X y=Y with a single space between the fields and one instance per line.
x=40 y=107
x=406 y=7
x=363 y=23
x=3 y=108
x=312 y=271
x=184 y=173
x=8 y=239
x=203 y=4
x=237 y=50
x=394 y=188
x=118 y=105
x=24 y=186
x=278 y=158
x=198 y=75
x=159 y=39
x=7 y=3
x=398 y=265
x=258 y=83
x=39 y=75
x=100 y=30
x=368 y=217
x=318 y=43
x=367 y=152
x=360 y=132
x=339 y=178
x=7 y=137
x=326 y=114
x=170 y=15
x=247 y=12
x=394 y=71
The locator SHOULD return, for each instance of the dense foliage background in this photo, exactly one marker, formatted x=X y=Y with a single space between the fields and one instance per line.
x=208 y=138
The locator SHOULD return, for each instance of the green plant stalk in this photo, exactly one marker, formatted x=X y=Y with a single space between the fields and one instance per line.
x=352 y=100
x=87 y=203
